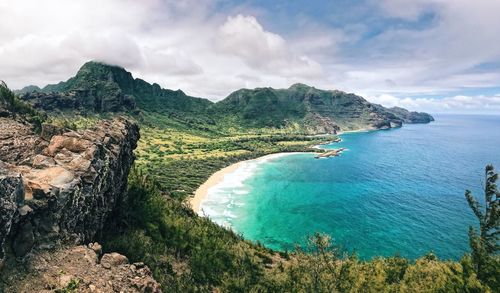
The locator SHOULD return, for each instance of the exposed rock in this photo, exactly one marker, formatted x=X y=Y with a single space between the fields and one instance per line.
x=330 y=153
x=24 y=240
x=78 y=267
x=113 y=259
x=18 y=142
x=11 y=196
x=64 y=191
x=80 y=99
x=96 y=247
x=49 y=130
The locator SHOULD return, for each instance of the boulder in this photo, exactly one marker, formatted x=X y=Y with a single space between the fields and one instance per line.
x=113 y=259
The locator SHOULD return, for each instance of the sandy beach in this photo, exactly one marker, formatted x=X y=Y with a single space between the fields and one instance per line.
x=218 y=176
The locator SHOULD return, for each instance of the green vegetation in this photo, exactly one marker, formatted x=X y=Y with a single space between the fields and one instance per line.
x=101 y=88
x=11 y=102
x=313 y=109
x=485 y=246
x=188 y=253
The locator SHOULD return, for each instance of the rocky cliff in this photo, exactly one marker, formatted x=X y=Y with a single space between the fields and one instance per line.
x=62 y=188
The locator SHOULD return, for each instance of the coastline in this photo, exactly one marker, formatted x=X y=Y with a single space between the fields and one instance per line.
x=217 y=177
x=354 y=131
x=202 y=192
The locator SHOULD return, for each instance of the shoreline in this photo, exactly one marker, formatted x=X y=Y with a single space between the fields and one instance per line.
x=202 y=192
x=354 y=131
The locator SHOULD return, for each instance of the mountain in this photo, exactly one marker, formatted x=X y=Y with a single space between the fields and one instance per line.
x=28 y=89
x=318 y=110
x=411 y=117
x=99 y=88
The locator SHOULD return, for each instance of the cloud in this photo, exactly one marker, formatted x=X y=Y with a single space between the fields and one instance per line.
x=178 y=44
x=244 y=37
x=209 y=48
x=455 y=104
x=433 y=46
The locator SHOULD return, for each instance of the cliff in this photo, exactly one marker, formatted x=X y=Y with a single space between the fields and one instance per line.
x=60 y=190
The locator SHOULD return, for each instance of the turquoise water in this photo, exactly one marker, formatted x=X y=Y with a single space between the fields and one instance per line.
x=398 y=191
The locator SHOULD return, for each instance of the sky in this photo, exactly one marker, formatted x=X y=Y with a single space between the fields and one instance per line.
x=439 y=56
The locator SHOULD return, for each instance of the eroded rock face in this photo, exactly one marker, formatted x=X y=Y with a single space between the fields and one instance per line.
x=81 y=99
x=18 y=142
x=11 y=196
x=64 y=191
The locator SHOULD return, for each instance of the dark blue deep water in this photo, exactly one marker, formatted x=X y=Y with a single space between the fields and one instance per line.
x=398 y=191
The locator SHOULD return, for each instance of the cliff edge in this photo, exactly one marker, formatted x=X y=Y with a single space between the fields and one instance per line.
x=57 y=190
x=64 y=191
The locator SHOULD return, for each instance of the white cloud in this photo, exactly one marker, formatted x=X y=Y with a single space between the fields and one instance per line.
x=178 y=44
x=443 y=54
x=244 y=37
x=194 y=46
x=455 y=104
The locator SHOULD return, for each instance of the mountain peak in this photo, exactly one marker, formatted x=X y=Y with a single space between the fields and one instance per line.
x=94 y=64
x=299 y=86
x=102 y=71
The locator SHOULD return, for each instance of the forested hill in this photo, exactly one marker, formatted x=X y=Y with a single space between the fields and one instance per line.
x=318 y=110
x=98 y=87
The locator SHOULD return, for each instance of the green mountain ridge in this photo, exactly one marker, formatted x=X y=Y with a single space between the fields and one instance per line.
x=98 y=87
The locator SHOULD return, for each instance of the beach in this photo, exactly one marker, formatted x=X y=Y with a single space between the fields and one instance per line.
x=218 y=177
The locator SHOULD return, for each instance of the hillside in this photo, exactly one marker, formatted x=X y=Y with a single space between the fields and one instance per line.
x=101 y=88
x=317 y=111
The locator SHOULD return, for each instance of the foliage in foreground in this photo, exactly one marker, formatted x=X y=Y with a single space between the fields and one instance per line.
x=485 y=245
x=11 y=102
x=188 y=253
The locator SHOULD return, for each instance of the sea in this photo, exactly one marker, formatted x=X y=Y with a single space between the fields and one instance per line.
x=392 y=192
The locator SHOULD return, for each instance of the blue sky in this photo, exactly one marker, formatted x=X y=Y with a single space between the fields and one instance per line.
x=429 y=55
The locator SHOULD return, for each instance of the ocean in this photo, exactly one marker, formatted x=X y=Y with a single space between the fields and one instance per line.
x=393 y=192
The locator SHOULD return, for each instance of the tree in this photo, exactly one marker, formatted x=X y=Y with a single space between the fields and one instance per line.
x=485 y=244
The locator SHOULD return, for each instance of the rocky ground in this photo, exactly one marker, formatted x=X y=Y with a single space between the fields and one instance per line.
x=79 y=269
